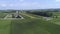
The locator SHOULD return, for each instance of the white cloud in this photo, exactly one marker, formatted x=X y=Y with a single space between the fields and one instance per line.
x=3 y=5
x=35 y=3
x=21 y=0
x=57 y=0
x=11 y=5
x=28 y=5
x=24 y=5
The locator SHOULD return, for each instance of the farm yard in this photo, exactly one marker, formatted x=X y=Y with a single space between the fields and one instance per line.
x=31 y=24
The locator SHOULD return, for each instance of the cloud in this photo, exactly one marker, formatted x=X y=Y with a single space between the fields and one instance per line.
x=57 y=0
x=35 y=3
x=21 y=0
x=3 y=5
x=11 y=5
x=24 y=5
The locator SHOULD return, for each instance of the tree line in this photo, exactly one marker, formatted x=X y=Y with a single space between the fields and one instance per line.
x=45 y=14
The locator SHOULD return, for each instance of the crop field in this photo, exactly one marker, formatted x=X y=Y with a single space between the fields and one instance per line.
x=31 y=24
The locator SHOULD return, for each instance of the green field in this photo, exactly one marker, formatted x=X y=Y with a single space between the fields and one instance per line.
x=31 y=24
x=2 y=15
x=5 y=26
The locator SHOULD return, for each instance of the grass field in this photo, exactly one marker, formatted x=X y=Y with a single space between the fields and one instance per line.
x=5 y=26
x=30 y=25
x=35 y=26
x=2 y=15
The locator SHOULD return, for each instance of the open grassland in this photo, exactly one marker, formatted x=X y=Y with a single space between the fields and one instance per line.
x=5 y=26
x=2 y=15
x=34 y=26
x=56 y=20
x=30 y=25
x=56 y=13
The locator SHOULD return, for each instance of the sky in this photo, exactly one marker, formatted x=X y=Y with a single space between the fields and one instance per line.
x=29 y=4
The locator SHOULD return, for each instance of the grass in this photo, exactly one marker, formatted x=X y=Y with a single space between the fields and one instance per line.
x=2 y=15
x=29 y=26
x=34 y=26
x=5 y=26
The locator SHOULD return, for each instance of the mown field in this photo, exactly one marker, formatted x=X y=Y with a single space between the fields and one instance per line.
x=30 y=25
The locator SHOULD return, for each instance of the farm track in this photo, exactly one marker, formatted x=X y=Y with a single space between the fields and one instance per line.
x=9 y=17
